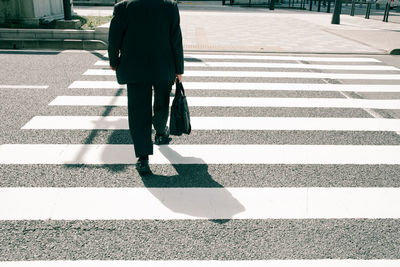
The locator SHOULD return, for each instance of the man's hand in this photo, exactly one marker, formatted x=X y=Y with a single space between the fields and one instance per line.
x=113 y=68
x=179 y=77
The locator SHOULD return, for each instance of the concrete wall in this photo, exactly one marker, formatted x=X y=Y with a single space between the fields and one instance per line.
x=30 y=11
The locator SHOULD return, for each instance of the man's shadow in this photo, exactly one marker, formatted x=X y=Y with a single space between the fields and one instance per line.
x=212 y=201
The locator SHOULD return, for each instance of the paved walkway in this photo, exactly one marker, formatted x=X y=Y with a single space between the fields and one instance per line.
x=211 y=26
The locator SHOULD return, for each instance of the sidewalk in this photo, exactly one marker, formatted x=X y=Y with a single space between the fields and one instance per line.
x=213 y=27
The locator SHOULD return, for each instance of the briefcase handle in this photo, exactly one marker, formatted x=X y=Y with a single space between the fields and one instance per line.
x=179 y=88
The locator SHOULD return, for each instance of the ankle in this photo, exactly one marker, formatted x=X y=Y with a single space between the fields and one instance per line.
x=144 y=158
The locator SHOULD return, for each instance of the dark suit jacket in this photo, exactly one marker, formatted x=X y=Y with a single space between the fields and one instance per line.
x=145 y=41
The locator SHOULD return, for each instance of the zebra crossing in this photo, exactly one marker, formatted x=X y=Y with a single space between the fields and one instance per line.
x=185 y=214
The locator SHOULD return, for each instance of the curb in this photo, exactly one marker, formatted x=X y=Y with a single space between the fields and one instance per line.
x=52 y=44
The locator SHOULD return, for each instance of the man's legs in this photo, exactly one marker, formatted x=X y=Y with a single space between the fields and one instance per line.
x=162 y=92
x=139 y=115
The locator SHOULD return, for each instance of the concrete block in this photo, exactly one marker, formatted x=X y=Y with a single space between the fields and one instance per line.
x=94 y=45
x=68 y=24
x=44 y=35
x=101 y=36
x=30 y=11
x=15 y=35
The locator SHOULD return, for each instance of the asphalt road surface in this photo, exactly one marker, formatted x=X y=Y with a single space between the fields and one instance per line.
x=266 y=194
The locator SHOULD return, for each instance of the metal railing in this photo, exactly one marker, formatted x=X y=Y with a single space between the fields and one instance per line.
x=362 y=8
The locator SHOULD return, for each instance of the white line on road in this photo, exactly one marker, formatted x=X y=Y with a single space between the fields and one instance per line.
x=98 y=84
x=222 y=123
x=239 y=102
x=263 y=57
x=321 y=59
x=260 y=74
x=277 y=65
x=24 y=86
x=203 y=263
x=254 y=86
x=189 y=203
x=200 y=154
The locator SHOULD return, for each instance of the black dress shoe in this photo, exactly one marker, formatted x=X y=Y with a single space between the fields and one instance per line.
x=142 y=166
x=162 y=139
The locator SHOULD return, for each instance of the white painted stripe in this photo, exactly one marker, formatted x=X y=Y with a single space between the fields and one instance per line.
x=260 y=74
x=223 y=123
x=24 y=86
x=277 y=65
x=197 y=203
x=102 y=63
x=97 y=84
x=200 y=154
x=289 y=66
x=89 y=101
x=201 y=263
x=255 y=86
x=264 y=57
x=257 y=74
x=239 y=102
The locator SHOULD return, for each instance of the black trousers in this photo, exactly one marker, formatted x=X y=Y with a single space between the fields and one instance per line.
x=140 y=114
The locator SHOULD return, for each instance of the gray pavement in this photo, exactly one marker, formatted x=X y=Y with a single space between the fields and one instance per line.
x=50 y=240
x=209 y=26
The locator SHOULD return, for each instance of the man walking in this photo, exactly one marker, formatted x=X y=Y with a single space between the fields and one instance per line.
x=145 y=48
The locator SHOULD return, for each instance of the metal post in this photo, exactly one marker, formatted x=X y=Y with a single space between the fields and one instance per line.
x=272 y=5
x=67 y=9
x=319 y=5
x=386 y=15
x=368 y=10
x=223 y=2
x=310 y=5
x=353 y=7
x=336 y=12
x=328 y=10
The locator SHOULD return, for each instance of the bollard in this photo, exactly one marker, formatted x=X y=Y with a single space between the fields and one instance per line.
x=368 y=10
x=328 y=10
x=272 y=5
x=223 y=2
x=353 y=7
x=319 y=5
x=310 y=5
x=336 y=12
x=67 y=9
x=386 y=15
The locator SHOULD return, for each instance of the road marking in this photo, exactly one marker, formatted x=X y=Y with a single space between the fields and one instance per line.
x=200 y=154
x=98 y=84
x=277 y=65
x=189 y=203
x=257 y=74
x=263 y=57
x=238 y=102
x=254 y=86
x=222 y=123
x=24 y=86
x=260 y=74
x=202 y=263
x=321 y=59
